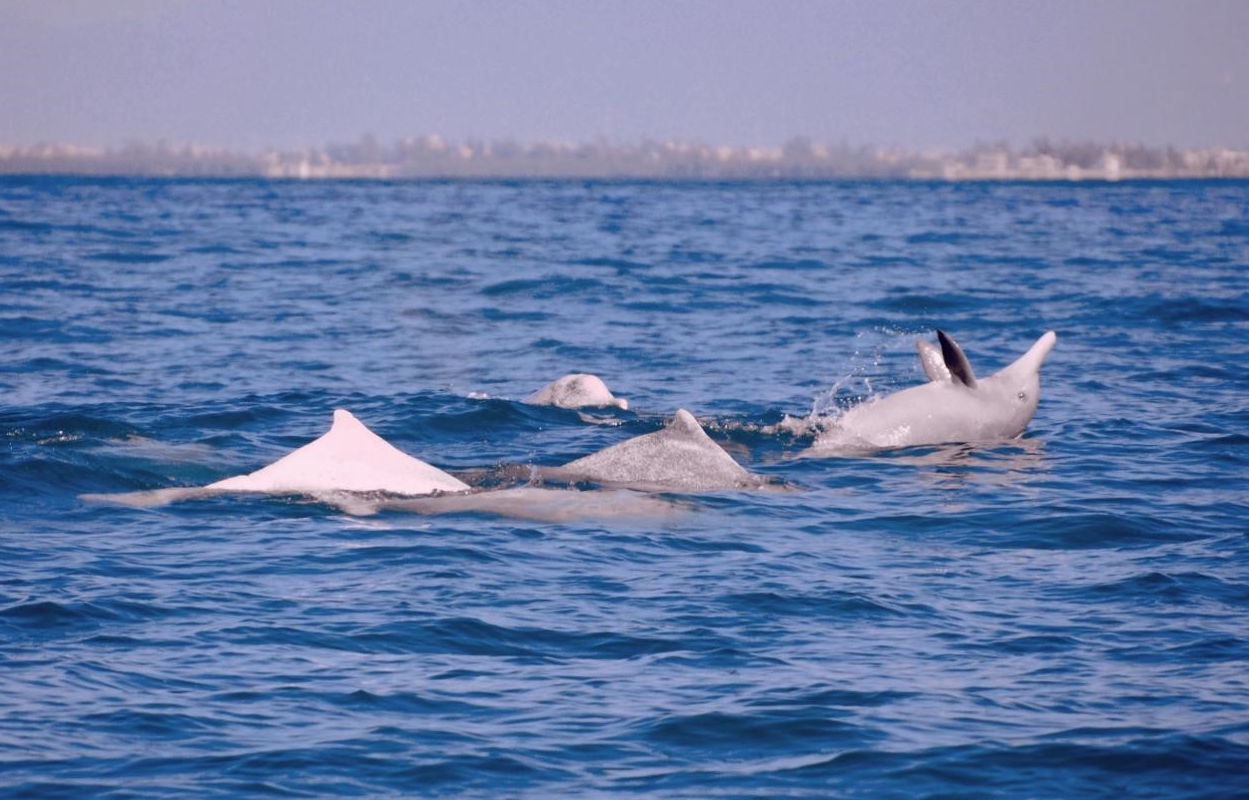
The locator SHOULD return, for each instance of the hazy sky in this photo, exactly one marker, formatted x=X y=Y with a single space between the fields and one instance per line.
x=251 y=73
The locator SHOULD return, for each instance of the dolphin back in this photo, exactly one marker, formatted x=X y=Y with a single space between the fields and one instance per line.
x=680 y=457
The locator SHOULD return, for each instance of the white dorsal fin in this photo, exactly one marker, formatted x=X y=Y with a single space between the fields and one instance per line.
x=344 y=421
x=349 y=457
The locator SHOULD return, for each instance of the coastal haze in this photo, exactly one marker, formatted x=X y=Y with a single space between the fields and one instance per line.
x=799 y=158
x=958 y=89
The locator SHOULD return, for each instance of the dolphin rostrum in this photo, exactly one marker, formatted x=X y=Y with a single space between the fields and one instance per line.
x=578 y=390
x=954 y=406
x=681 y=458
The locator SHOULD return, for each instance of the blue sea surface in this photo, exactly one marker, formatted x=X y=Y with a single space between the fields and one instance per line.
x=1061 y=616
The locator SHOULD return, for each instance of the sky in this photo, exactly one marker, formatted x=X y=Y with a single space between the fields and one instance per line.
x=248 y=74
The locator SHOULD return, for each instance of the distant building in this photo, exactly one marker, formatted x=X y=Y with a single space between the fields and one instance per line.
x=1112 y=166
x=434 y=157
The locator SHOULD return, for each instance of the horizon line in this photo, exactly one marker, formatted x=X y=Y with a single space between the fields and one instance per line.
x=433 y=156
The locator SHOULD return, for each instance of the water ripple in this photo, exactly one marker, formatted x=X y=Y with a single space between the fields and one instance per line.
x=1056 y=616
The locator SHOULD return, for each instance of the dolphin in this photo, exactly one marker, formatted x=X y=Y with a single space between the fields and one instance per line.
x=578 y=390
x=681 y=457
x=349 y=457
x=954 y=406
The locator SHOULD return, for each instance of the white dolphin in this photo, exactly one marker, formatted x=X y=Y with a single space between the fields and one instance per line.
x=350 y=458
x=954 y=406
x=680 y=457
x=578 y=390
x=347 y=458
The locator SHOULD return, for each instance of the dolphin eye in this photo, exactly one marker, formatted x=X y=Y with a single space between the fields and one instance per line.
x=1022 y=395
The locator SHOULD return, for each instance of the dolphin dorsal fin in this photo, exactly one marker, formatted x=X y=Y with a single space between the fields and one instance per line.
x=345 y=421
x=678 y=457
x=931 y=360
x=350 y=458
x=684 y=422
x=955 y=361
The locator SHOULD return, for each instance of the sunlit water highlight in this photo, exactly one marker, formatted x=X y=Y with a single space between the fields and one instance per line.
x=1060 y=616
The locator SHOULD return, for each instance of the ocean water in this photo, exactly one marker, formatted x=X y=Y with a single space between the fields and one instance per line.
x=1062 y=616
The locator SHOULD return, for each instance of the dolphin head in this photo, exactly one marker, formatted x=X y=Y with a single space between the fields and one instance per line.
x=577 y=390
x=1016 y=389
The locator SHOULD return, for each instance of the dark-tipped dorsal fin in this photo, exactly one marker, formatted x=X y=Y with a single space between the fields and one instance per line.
x=955 y=361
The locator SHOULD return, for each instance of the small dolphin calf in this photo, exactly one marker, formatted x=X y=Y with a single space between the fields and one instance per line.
x=681 y=457
x=954 y=406
x=578 y=390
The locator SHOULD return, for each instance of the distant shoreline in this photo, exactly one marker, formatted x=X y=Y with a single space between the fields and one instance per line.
x=433 y=158
x=615 y=179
